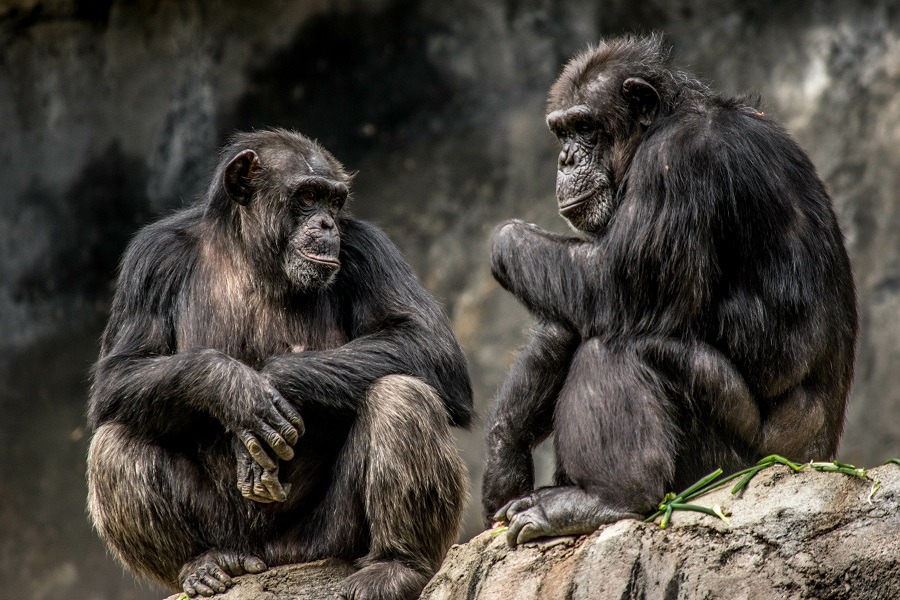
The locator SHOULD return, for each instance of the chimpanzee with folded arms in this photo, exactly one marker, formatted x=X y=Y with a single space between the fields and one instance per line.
x=704 y=317
x=274 y=386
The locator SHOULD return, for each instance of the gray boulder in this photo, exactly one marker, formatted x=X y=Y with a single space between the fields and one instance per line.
x=789 y=535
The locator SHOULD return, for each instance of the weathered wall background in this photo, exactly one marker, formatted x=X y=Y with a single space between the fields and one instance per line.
x=110 y=112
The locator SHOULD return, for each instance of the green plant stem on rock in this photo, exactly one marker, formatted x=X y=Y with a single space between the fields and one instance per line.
x=672 y=502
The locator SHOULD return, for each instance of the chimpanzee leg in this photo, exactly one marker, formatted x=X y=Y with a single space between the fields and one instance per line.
x=399 y=485
x=614 y=444
x=164 y=517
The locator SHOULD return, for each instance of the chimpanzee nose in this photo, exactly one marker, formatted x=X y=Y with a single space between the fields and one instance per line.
x=322 y=221
x=567 y=156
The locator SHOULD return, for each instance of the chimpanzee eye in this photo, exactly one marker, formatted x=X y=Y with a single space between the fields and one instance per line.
x=308 y=197
x=584 y=127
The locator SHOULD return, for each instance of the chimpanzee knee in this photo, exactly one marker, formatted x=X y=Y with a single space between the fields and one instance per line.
x=415 y=480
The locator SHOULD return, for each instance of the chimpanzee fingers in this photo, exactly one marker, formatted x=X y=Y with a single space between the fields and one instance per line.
x=256 y=451
x=275 y=441
x=267 y=487
x=292 y=415
x=259 y=499
x=277 y=421
x=273 y=486
x=260 y=491
x=245 y=480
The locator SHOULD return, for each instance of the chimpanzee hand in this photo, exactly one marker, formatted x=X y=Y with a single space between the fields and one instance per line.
x=259 y=412
x=254 y=482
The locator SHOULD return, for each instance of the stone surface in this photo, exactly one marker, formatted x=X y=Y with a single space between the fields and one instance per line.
x=809 y=535
x=311 y=581
x=113 y=110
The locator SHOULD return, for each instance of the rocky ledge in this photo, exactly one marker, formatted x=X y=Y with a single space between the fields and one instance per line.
x=788 y=535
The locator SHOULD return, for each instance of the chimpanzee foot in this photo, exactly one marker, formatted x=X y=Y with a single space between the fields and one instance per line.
x=388 y=580
x=211 y=572
x=554 y=511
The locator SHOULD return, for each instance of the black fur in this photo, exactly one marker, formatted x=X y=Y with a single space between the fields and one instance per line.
x=706 y=315
x=219 y=333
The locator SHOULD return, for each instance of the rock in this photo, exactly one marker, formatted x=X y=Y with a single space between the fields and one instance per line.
x=789 y=535
x=803 y=535
x=310 y=581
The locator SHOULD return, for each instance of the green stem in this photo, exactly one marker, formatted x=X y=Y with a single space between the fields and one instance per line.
x=717 y=484
x=695 y=508
x=666 y=517
x=699 y=485
x=750 y=475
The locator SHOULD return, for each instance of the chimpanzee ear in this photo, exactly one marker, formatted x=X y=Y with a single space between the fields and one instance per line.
x=643 y=97
x=239 y=176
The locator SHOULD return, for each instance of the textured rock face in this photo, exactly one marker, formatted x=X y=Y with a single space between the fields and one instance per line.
x=311 y=581
x=113 y=110
x=807 y=535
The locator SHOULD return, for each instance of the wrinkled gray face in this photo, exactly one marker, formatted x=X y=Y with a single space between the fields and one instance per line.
x=311 y=259
x=584 y=184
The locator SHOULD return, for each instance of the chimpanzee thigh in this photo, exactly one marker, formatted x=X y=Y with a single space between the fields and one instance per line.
x=614 y=428
x=398 y=486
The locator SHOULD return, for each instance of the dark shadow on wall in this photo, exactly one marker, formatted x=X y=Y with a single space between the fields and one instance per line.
x=355 y=82
x=88 y=227
x=48 y=549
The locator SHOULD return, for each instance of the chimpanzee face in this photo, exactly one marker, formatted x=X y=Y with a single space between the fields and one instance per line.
x=599 y=123
x=290 y=200
x=312 y=254
x=585 y=190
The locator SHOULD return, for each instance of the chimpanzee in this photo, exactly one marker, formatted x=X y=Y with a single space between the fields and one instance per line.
x=705 y=315
x=262 y=312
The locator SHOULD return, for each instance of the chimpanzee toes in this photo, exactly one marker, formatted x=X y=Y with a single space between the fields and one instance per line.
x=526 y=526
x=253 y=565
x=513 y=507
x=211 y=573
x=387 y=580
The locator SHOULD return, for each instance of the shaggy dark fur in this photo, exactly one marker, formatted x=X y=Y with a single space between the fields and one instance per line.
x=234 y=317
x=705 y=316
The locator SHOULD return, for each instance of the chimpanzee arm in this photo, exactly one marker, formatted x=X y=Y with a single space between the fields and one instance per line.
x=523 y=414
x=549 y=273
x=396 y=328
x=140 y=379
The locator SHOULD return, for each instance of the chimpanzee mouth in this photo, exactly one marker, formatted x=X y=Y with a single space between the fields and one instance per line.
x=571 y=205
x=328 y=261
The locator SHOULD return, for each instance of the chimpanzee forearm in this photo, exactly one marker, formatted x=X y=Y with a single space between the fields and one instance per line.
x=162 y=394
x=523 y=414
x=336 y=380
x=547 y=272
